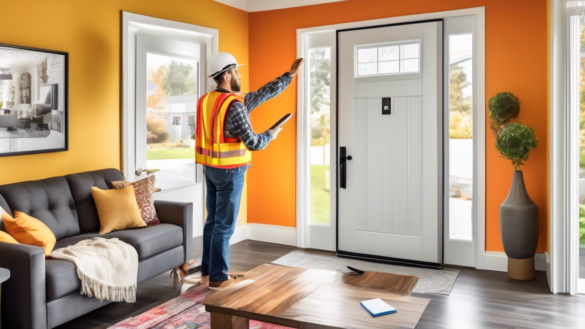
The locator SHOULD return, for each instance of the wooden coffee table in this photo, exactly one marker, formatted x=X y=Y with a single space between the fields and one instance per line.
x=314 y=299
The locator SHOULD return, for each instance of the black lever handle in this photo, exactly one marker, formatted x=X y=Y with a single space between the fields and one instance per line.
x=342 y=166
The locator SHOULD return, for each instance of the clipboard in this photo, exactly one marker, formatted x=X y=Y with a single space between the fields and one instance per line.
x=282 y=121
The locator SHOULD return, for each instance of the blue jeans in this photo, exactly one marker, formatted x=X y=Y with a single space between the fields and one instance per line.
x=224 y=193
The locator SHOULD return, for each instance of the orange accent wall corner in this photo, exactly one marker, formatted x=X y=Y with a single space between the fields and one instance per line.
x=516 y=61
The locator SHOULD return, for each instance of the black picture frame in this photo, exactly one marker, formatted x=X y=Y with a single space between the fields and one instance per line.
x=64 y=124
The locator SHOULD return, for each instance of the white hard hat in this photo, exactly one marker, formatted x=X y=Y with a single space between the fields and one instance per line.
x=222 y=62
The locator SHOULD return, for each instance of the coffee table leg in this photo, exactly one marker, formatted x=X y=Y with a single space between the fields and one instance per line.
x=223 y=321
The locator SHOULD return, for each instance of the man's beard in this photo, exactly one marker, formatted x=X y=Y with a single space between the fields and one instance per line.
x=235 y=85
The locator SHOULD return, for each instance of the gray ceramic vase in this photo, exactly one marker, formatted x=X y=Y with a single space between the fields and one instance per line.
x=519 y=221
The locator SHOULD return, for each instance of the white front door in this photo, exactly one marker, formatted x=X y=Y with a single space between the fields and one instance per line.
x=170 y=77
x=390 y=140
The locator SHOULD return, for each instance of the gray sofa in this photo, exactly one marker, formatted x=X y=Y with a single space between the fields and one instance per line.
x=44 y=293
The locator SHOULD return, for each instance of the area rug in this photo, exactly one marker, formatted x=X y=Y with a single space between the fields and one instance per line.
x=429 y=280
x=183 y=312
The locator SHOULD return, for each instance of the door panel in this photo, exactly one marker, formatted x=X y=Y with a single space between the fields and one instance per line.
x=391 y=207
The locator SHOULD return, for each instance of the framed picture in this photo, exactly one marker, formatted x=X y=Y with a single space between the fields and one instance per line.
x=34 y=89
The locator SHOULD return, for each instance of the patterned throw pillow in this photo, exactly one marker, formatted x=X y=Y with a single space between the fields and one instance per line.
x=143 y=191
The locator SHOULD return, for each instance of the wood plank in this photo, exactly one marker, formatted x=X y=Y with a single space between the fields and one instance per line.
x=401 y=285
x=338 y=306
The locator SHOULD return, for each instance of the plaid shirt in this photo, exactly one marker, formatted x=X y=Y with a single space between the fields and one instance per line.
x=237 y=121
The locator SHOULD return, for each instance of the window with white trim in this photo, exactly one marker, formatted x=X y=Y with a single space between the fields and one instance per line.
x=388 y=59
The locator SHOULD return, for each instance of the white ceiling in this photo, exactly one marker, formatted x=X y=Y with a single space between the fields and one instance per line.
x=18 y=59
x=263 y=5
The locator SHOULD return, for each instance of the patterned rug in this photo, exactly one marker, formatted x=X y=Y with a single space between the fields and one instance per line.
x=183 y=312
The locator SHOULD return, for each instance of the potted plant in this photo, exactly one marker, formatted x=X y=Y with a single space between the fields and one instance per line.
x=518 y=213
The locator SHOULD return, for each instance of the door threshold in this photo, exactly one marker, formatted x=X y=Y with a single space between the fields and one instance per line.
x=389 y=260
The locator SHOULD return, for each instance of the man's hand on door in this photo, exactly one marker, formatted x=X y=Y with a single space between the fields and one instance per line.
x=295 y=67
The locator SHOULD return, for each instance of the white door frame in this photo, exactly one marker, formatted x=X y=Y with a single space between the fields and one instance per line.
x=482 y=259
x=564 y=144
x=131 y=25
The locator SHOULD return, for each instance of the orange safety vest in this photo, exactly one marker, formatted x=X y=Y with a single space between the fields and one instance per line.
x=212 y=148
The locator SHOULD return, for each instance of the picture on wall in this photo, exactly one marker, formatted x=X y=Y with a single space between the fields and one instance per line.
x=33 y=100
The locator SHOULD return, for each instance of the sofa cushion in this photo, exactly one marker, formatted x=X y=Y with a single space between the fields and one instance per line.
x=48 y=200
x=61 y=278
x=61 y=275
x=148 y=241
x=80 y=185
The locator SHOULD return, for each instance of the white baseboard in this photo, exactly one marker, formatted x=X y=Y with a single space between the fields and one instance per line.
x=240 y=234
x=265 y=233
x=498 y=261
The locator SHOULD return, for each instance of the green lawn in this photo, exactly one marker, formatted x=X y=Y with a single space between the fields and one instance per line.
x=319 y=195
x=170 y=153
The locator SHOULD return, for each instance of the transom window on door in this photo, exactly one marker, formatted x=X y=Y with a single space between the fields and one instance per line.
x=388 y=59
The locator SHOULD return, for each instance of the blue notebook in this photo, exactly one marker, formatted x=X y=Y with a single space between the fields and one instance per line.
x=377 y=307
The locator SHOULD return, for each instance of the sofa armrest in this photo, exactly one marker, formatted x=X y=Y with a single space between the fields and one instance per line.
x=23 y=295
x=181 y=214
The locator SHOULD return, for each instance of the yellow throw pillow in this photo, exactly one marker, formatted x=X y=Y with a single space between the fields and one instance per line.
x=5 y=237
x=117 y=209
x=29 y=230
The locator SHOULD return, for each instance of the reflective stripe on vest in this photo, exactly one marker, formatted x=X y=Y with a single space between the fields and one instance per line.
x=212 y=148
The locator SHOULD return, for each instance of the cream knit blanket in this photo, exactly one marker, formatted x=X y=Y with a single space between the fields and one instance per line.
x=107 y=268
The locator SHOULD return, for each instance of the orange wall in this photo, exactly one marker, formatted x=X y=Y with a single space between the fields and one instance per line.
x=516 y=61
x=90 y=31
x=548 y=53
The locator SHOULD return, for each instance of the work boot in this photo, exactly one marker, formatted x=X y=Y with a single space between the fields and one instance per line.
x=232 y=279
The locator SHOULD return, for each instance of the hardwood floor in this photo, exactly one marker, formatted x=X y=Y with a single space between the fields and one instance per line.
x=480 y=299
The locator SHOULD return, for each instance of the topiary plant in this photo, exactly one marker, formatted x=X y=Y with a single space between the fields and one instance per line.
x=515 y=141
x=503 y=107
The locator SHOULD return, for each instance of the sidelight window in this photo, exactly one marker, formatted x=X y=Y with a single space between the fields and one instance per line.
x=460 y=136
x=320 y=120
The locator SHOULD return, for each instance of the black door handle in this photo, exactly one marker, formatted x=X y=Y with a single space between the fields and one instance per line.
x=342 y=166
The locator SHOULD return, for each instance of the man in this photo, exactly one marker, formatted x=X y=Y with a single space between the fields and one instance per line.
x=223 y=144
